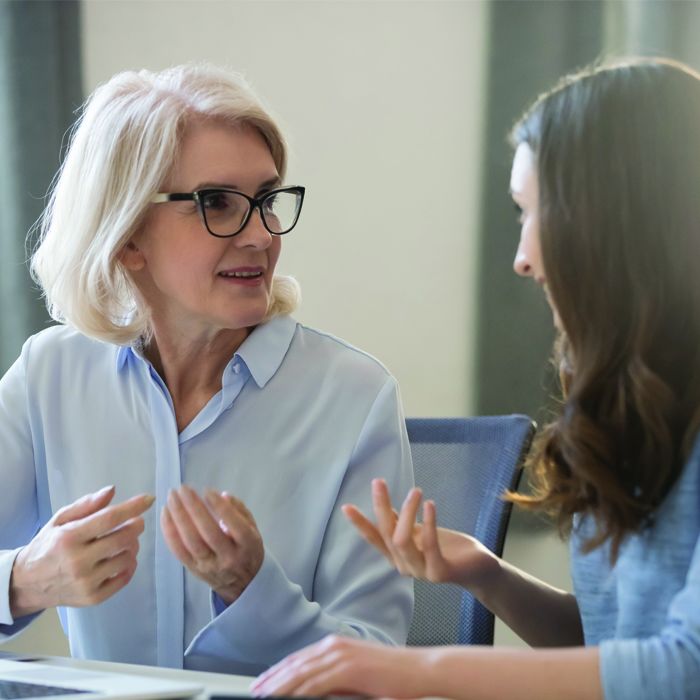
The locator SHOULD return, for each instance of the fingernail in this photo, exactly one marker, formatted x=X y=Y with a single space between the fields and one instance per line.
x=148 y=499
x=104 y=490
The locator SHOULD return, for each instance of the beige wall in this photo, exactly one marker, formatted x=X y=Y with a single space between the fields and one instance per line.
x=381 y=102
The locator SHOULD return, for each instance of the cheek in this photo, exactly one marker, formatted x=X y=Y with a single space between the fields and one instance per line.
x=273 y=254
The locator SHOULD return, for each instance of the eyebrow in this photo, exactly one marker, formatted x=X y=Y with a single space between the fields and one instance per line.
x=268 y=184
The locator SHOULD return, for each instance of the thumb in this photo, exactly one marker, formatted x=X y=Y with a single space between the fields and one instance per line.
x=84 y=506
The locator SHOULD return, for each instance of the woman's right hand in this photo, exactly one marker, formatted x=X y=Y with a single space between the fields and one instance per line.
x=82 y=556
x=422 y=550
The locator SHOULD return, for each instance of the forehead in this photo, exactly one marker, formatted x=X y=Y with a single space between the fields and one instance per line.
x=215 y=152
x=523 y=176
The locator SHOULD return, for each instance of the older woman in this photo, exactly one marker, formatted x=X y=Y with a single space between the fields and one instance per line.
x=606 y=179
x=177 y=371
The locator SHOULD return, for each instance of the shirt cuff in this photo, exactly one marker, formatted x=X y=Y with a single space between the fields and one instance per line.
x=7 y=560
x=218 y=605
x=242 y=630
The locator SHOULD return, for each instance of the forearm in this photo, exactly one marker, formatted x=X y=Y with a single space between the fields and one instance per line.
x=480 y=673
x=538 y=613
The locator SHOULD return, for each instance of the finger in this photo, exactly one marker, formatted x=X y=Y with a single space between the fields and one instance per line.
x=286 y=676
x=186 y=529
x=111 y=585
x=316 y=676
x=172 y=538
x=228 y=510
x=403 y=532
x=404 y=544
x=323 y=681
x=124 y=537
x=104 y=521
x=367 y=529
x=290 y=661
x=386 y=518
x=241 y=506
x=435 y=562
x=84 y=506
x=116 y=565
x=202 y=519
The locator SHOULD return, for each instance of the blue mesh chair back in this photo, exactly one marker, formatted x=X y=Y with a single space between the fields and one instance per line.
x=464 y=465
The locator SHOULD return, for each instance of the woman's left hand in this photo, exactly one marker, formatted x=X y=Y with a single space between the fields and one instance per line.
x=341 y=665
x=215 y=538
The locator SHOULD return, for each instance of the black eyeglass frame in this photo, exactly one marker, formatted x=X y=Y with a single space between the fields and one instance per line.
x=198 y=196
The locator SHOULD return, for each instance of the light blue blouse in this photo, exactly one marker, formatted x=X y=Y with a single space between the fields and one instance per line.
x=302 y=424
x=644 y=612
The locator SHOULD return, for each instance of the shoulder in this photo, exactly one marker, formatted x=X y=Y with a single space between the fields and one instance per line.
x=61 y=343
x=333 y=352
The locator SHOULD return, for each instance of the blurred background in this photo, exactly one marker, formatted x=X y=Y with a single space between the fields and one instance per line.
x=397 y=115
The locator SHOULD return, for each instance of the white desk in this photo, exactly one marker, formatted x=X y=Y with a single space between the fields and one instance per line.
x=213 y=683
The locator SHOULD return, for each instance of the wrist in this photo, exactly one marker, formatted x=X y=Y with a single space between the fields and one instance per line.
x=482 y=575
x=430 y=666
x=23 y=600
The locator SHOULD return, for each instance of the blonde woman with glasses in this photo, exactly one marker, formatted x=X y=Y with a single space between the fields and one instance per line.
x=177 y=375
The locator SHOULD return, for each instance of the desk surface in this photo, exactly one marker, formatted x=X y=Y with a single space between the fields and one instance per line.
x=213 y=683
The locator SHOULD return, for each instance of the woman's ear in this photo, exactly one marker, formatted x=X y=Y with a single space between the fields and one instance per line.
x=131 y=257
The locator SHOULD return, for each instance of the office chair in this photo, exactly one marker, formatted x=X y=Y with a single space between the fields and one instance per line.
x=464 y=465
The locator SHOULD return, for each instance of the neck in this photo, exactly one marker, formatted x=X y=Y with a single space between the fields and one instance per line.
x=192 y=366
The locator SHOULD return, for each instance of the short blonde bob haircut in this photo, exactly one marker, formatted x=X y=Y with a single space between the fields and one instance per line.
x=121 y=150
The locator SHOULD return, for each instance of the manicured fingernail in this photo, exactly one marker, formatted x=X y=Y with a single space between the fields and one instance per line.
x=149 y=500
x=104 y=490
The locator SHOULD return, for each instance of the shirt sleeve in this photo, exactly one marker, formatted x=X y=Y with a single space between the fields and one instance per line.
x=356 y=593
x=18 y=501
x=663 y=666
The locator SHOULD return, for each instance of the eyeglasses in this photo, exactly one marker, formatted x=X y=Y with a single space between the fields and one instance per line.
x=226 y=212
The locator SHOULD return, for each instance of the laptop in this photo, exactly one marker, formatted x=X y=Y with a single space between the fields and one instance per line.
x=29 y=679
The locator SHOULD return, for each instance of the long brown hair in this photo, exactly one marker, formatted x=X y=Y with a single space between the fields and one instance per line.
x=617 y=150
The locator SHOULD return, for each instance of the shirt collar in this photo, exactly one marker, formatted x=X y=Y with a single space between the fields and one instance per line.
x=123 y=352
x=262 y=351
x=265 y=348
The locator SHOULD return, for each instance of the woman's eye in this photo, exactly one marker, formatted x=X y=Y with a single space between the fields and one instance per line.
x=520 y=212
x=216 y=201
x=270 y=202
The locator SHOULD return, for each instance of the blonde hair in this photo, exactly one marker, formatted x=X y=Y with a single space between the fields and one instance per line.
x=121 y=149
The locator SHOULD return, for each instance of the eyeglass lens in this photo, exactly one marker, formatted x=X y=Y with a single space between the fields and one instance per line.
x=226 y=212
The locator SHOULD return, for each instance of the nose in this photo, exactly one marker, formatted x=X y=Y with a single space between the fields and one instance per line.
x=521 y=264
x=254 y=233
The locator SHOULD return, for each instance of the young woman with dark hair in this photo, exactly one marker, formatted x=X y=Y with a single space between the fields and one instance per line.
x=606 y=178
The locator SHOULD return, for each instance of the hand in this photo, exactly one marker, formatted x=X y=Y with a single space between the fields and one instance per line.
x=218 y=541
x=82 y=556
x=424 y=550
x=341 y=666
